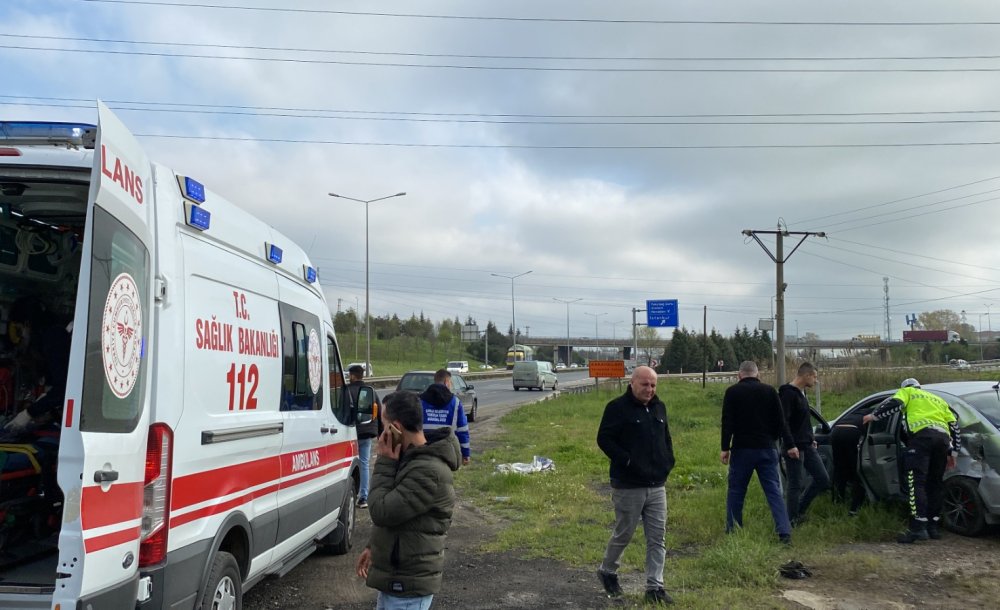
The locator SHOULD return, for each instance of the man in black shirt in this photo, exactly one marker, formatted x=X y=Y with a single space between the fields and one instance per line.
x=795 y=405
x=752 y=422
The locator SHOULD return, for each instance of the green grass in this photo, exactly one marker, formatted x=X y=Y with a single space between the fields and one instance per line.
x=392 y=357
x=567 y=514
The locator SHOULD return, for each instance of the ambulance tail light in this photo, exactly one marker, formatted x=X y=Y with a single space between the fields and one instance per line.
x=156 y=496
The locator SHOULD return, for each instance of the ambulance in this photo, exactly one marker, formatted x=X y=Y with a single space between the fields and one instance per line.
x=204 y=438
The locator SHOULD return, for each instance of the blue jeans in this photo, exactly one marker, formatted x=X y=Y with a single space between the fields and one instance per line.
x=809 y=459
x=742 y=464
x=364 y=455
x=392 y=602
x=648 y=504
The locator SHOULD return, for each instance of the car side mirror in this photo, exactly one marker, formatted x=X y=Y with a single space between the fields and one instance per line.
x=366 y=404
x=470 y=387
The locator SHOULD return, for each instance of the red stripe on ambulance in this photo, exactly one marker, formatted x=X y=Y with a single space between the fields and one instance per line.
x=121 y=503
x=99 y=543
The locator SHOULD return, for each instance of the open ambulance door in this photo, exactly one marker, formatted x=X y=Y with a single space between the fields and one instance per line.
x=103 y=460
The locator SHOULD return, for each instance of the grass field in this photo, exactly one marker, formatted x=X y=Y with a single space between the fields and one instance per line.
x=567 y=514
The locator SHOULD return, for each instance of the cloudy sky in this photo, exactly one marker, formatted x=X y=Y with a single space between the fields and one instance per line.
x=616 y=150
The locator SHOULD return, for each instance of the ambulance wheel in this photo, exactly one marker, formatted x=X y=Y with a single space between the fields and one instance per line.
x=345 y=523
x=224 y=587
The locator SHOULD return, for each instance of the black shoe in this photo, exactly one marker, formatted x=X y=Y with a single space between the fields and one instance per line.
x=933 y=532
x=610 y=584
x=798 y=520
x=658 y=597
x=785 y=538
x=912 y=535
x=363 y=503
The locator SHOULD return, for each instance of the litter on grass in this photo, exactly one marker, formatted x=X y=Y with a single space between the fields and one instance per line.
x=538 y=464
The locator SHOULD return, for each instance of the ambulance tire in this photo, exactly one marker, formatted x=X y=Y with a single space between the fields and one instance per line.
x=345 y=524
x=224 y=587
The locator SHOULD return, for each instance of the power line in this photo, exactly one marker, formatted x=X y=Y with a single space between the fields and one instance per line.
x=515 y=115
x=950 y=272
x=933 y=258
x=387 y=64
x=915 y=207
x=554 y=19
x=675 y=58
x=927 y=213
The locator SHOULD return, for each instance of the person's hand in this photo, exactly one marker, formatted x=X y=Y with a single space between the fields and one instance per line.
x=364 y=562
x=793 y=453
x=19 y=423
x=951 y=463
x=815 y=444
x=384 y=448
x=724 y=457
x=465 y=461
x=867 y=419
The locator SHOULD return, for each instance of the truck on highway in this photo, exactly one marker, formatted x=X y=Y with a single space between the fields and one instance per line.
x=930 y=336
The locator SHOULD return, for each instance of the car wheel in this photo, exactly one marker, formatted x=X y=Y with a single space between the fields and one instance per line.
x=224 y=587
x=516 y=388
x=542 y=387
x=344 y=534
x=963 y=508
x=555 y=385
x=472 y=414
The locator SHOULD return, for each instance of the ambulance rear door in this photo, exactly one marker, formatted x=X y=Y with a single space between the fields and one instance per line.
x=102 y=454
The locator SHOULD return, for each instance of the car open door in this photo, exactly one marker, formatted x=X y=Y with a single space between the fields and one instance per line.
x=880 y=458
x=102 y=453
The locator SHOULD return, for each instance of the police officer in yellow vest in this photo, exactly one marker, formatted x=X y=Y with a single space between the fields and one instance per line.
x=929 y=451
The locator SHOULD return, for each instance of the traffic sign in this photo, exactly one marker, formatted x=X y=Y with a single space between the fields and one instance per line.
x=662 y=313
x=607 y=368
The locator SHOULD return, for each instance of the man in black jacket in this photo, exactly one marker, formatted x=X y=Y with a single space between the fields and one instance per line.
x=367 y=431
x=751 y=424
x=795 y=405
x=635 y=435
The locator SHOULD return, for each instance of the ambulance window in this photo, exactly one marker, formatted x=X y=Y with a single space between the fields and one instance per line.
x=117 y=329
x=302 y=388
x=340 y=401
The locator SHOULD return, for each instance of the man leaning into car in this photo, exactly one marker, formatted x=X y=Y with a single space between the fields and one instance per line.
x=929 y=451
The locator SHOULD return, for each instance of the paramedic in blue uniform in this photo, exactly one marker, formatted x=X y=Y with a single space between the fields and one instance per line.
x=442 y=409
x=44 y=342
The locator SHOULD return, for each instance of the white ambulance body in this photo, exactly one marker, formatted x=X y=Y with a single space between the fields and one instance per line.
x=206 y=439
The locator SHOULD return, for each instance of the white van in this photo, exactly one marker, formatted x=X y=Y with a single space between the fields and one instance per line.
x=206 y=439
x=535 y=374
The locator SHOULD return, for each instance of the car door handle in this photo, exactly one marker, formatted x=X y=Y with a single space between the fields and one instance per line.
x=105 y=476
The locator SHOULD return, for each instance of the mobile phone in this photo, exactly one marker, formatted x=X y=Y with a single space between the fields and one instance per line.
x=397 y=436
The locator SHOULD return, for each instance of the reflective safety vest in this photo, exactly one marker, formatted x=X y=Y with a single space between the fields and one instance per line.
x=924 y=410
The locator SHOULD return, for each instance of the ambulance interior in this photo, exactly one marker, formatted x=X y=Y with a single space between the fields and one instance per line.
x=42 y=215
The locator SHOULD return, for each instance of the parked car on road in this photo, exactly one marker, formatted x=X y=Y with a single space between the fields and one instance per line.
x=458 y=366
x=972 y=488
x=536 y=374
x=418 y=381
x=959 y=364
x=366 y=366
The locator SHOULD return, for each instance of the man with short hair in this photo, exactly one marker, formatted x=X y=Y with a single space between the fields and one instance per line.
x=442 y=409
x=795 y=405
x=752 y=422
x=366 y=431
x=635 y=435
x=934 y=441
x=412 y=500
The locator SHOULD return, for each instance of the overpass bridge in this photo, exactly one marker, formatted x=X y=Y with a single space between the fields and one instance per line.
x=662 y=342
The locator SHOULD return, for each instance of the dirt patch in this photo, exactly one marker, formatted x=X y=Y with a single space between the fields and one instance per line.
x=954 y=572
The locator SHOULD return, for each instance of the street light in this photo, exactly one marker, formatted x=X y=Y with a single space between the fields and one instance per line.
x=513 y=322
x=989 y=322
x=568 y=348
x=613 y=336
x=596 y=315
x=368 y=319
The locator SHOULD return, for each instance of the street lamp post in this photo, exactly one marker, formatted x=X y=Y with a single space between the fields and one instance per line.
x=981 y=337
x=596 y=316
x=613 y=335
x=989 y=323
x=368 y=320
x=568 y=348
x=513 y=321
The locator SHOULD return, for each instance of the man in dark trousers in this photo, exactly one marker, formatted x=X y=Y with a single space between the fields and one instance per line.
x=795 y=405
x=752 y=422
x=635 y=435
x=367 y=431
x=934 y=441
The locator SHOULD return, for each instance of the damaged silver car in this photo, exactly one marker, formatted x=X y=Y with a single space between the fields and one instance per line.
x=972 y=488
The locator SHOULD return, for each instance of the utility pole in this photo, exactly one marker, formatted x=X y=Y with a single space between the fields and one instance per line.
x=635 y=335
x=888 y=327
x=779 y=259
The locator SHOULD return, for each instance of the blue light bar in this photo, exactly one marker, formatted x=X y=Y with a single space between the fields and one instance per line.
x=192 y=189
x=197 y=216
x=43 y=130
x=273 y=253
x=309 y=273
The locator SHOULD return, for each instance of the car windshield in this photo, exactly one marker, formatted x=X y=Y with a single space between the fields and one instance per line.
x=987 y=403
x=455 y=365
x=416 y=382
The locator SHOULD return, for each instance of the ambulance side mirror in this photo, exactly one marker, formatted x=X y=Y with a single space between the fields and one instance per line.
x=366 y=405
